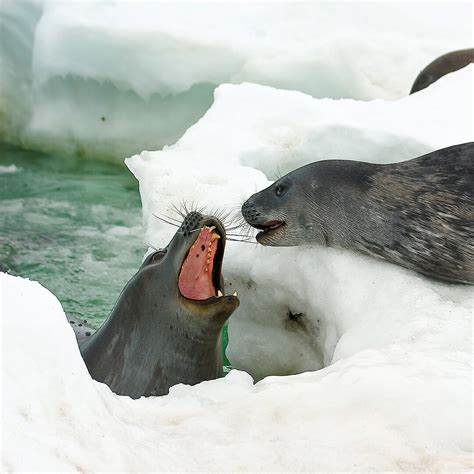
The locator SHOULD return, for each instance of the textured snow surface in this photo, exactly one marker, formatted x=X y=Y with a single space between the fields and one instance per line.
x=394 y=391
x=250 y=133
x=402 y=404
x=109 y=79
x=394 y=349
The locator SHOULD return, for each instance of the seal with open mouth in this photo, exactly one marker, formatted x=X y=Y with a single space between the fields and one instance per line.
x=166 y=326
x=417 y=214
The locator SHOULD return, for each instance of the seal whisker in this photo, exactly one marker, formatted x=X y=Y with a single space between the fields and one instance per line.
x=178 y=221
x=178 y=211
x=164 y=220
x=243 y=241
x=194 y=230
x=151 y=245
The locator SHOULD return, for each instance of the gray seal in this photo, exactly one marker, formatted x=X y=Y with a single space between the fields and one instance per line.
x=166 y=326
x=418 y=214
x=441 y=66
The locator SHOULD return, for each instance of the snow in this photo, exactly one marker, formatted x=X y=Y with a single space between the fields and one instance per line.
x=249 y=134
x=387 y=353
x=108 y=79
x=397 y=406
x=394 y=348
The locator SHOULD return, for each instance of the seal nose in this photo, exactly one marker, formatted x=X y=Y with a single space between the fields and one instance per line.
x=250 y=213
x=191 y=222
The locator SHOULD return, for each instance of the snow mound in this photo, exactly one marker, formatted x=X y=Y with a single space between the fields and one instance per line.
x=398 y=406
x=109 y=79
x=304 y=308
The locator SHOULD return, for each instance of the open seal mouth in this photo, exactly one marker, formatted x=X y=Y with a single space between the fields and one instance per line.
x=268 y=228
x=200 y=275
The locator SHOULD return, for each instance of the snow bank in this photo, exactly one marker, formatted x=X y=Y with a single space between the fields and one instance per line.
x=110 y=79
x=403 y=405
x=346 y=302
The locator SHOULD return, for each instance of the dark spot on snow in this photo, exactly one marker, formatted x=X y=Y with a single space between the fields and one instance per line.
x=293 y=316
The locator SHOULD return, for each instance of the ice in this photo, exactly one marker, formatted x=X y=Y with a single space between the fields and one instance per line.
x=404 y=405
x=109 y=79
x=394 y=349
x=249 y=135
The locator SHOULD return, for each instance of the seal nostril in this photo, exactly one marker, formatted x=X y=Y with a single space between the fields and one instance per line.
x=191 y=222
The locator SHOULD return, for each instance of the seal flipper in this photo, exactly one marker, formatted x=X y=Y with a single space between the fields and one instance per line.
x=81 y=330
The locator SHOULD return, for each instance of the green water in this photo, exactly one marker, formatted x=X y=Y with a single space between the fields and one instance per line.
x=72 y=224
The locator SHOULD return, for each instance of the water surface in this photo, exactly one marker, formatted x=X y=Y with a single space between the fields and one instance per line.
x=72 y=224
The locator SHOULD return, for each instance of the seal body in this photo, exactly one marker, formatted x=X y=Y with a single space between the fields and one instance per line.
x=166 y=325
x=418 y=214
x=441 y=66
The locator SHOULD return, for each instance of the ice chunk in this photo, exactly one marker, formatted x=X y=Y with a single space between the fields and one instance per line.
x=302 y=308
x=111 y=79
x=404 y=405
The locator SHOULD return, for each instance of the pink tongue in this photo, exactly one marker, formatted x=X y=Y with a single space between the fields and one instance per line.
x=195 y=278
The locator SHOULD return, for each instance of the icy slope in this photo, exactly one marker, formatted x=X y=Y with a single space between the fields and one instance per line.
x=400 y=406
x=113 y=78
x=249 y=134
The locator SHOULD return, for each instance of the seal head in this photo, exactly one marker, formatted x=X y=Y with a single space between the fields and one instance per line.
x=306 y=206
x=165 y=327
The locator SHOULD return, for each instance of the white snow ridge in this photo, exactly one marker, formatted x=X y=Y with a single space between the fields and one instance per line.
x=393 y=349
x=109 y=79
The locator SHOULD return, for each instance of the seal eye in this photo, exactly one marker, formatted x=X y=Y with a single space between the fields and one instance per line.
x=157 y=256
x=280 y=190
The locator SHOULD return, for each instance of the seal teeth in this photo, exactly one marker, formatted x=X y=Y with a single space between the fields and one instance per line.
x=215 y=236
x=219 y=293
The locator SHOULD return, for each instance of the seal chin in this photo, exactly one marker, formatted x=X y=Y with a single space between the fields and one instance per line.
x=270 y=231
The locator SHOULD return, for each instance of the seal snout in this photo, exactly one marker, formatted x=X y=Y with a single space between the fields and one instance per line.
x=258 y=220
x=251 y=214
x=191 y=222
